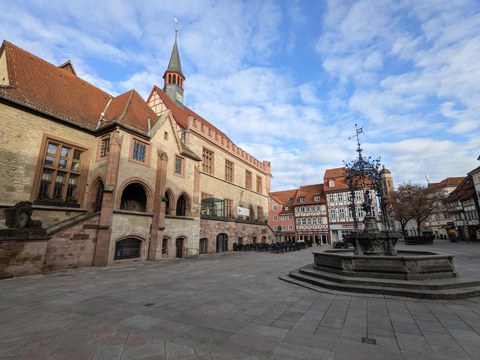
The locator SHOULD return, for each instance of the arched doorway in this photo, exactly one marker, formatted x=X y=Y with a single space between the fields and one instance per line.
x=222 y=242
x=203 y=246
x=165 y=243
x=134 y=198
x=179 y=245
x=97 y=203
x=182 y=205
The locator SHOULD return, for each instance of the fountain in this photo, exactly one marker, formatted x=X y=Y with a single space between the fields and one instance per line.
x=374 y=265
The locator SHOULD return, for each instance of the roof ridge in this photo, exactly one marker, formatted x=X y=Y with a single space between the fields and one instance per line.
x=52 y=65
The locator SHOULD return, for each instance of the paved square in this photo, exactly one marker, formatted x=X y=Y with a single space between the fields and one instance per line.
x=228 y=306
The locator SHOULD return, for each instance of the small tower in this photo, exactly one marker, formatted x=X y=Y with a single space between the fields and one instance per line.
x=173 y=77
x=387 y=182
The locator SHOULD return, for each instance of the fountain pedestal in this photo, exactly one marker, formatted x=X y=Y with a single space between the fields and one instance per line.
x=371 y=241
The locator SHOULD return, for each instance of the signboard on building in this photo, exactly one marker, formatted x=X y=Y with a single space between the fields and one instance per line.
x=243 y=211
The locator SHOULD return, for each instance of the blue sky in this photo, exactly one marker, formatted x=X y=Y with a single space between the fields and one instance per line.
x=288 y=80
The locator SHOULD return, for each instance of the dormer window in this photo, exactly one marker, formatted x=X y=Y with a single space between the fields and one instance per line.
x=302 y=199
x=316 y=198
x=286 y=207
x=331 y=183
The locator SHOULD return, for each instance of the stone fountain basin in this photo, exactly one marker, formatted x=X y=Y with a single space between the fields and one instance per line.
x=406 y=265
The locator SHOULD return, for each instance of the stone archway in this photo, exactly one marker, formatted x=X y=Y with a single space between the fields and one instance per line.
x=179 y=247
x=134 y=198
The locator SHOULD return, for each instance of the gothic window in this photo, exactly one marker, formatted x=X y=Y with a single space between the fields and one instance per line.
x=182 y=205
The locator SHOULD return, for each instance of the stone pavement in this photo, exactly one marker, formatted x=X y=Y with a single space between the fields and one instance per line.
x=228 y=306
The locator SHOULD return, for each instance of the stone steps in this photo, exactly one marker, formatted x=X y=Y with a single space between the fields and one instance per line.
x=426 y=289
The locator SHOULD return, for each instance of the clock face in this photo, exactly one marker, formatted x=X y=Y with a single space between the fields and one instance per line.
x=179 y=97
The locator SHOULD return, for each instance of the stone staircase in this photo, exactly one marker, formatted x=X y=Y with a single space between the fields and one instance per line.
x=451 y=288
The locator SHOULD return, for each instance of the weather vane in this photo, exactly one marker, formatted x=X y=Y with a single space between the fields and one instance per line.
x=357 y=131
x=176 y=27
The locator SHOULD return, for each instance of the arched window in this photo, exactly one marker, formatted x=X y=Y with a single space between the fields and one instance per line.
x=182 y=205
x=168 y=203
x=97 y=204
x=128 y=248
x=169 y=78
x=174 y=78
x=134 y=198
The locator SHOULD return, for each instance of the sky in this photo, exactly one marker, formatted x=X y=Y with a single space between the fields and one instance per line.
x=288 y=80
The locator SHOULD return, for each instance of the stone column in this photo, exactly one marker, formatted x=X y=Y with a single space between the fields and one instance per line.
x=102 y=250
x=158 y=220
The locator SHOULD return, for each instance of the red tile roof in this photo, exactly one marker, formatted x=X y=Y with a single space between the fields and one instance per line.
x=338 y=177
x=464 y=191
x=309 y=192
x=448 y=182
x=286 y=197
x=56 y=91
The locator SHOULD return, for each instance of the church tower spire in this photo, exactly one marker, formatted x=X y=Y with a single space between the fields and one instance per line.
x=173 y=78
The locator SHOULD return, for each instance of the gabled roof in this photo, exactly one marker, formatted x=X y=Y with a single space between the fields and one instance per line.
x=181 y=114
x=464 y=190
x=58 y=92
x=309 y=192
x=338 y=177
x=448 y=182
x=285 y=197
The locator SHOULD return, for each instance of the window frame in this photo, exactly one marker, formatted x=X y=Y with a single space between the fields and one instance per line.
x=82 y=172
x=136 y=140
x=182 y=166
x=248 y=180
x=229 y=171
x=208 y=168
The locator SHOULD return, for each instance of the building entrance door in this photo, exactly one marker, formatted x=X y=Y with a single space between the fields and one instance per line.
x=179 y=248
x=222 y=242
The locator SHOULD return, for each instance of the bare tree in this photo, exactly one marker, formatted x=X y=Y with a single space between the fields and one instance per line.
x=399 y=206
x=415 y=202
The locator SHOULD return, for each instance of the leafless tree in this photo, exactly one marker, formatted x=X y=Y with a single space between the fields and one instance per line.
x=414 y=202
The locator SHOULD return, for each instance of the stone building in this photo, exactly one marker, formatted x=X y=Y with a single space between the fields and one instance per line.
x=115 y=178
x=232 y=185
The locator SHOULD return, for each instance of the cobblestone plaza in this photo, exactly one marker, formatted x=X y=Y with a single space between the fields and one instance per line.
x=228 y=306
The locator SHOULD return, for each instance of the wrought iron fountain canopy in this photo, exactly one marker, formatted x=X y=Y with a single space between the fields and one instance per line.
x=364 y=174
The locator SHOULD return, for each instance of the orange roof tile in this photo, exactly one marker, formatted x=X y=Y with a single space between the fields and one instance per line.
x=309 y=192
x=448 y=182
x=286 y=197
x=464 y=191
x=338 y=177
x=56 y=91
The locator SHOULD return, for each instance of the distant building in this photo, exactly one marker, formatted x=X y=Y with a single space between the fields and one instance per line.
x=282 y=216
x=440 y=221
x=463 y=208
x=340 y=214
x=311 y=217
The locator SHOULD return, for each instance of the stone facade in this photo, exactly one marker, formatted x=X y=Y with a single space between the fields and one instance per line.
x=117 y=179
